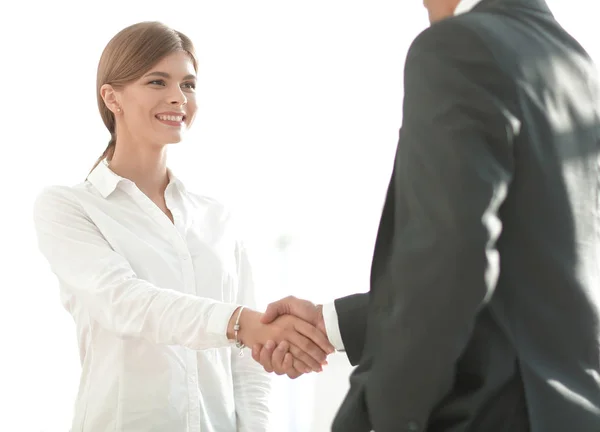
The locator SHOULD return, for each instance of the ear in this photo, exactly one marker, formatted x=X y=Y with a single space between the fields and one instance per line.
x=110 y=97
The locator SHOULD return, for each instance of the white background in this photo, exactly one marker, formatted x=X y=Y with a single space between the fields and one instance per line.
x=300 y=104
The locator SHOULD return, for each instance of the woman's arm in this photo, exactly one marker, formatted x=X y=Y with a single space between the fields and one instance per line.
x=106 y=284
x=251 y=384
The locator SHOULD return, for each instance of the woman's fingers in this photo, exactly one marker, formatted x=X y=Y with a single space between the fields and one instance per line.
x=264 y=354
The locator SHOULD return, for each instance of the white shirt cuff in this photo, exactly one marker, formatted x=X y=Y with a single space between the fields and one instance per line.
x=332 y=326
x=218 y=321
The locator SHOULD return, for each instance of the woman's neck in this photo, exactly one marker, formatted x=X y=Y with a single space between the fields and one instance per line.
x=148 y=170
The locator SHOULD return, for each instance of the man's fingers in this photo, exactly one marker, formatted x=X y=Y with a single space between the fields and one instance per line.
x=309 y=353
x=315 y=335
x=302 y=365
x=306 y=357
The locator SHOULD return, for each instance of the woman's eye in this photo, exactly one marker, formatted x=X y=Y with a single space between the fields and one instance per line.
x=190 y=85
x=157 y=82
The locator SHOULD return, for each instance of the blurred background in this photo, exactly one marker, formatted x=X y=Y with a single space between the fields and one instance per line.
x=300 y=105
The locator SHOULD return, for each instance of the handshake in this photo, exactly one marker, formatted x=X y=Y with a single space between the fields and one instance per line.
x=289 y=338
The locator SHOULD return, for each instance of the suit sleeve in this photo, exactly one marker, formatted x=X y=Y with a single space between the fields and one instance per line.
x=452 y=174
x=352 y=319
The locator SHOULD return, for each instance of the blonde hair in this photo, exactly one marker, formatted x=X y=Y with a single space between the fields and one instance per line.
x=127 y=57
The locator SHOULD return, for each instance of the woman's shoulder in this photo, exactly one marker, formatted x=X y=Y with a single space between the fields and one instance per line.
x=60 y=193
x=56 y=198
x=55 y=203
x=55 y=194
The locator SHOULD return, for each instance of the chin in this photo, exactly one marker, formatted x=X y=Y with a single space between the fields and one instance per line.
x=173 y=139
x=437 y=18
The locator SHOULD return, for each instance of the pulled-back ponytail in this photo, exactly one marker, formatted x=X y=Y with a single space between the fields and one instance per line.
x=108 y=152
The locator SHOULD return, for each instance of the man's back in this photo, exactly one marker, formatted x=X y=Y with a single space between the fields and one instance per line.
x=484 y=308
x=546 y=307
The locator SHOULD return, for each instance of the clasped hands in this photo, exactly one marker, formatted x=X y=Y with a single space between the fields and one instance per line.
x=289 y=338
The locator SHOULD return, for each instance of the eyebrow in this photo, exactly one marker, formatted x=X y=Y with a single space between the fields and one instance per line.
x=166 y=75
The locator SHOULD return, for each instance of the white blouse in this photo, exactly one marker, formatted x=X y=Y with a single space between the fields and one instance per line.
x=151 y=301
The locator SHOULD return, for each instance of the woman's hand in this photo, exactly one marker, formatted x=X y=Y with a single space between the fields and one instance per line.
x=275 y=357
x=308 y=345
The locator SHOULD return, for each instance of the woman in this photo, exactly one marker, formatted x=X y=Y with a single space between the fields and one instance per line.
x=153 y=274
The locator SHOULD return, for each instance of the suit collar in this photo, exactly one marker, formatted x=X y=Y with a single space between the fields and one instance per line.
x=539 y=5
x=465 y=6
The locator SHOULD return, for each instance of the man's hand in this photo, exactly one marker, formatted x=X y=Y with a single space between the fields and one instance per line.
x=305 y=343
x=275 y=357
x=303 y=309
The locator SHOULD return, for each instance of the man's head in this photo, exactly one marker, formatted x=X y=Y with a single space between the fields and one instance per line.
x=440 y=9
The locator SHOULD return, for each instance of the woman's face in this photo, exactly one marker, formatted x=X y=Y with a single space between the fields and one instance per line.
x=160 y=106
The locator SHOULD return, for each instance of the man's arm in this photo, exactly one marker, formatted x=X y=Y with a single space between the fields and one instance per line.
x=451 y=176
x=275 y=357
x=351 y=314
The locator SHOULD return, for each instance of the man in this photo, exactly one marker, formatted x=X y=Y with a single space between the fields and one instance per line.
x=484 y=308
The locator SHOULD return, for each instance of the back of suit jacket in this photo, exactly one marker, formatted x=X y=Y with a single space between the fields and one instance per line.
x=489 y=321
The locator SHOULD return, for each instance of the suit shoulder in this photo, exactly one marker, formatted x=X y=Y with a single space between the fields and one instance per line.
x=468 y=41
x=450 y=36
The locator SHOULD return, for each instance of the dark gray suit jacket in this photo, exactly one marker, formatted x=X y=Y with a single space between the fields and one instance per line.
x=484 y=309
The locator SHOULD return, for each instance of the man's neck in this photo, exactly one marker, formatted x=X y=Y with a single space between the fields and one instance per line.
x=465 y=6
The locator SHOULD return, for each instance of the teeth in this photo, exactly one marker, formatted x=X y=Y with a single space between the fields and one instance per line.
x=171 y=118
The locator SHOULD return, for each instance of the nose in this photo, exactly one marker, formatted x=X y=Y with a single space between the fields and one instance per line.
x=178 y=97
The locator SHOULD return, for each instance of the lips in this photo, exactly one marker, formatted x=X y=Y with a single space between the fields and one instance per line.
x=171 y=117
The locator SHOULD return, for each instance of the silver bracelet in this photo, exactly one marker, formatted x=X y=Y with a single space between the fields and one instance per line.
x=236 y=329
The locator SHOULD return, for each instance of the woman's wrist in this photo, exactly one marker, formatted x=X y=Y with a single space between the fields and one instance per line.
x=232 y=321
x=249 y=327
x=248 y=322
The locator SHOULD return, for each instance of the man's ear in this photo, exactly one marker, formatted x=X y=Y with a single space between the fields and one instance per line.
x=110 y=97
